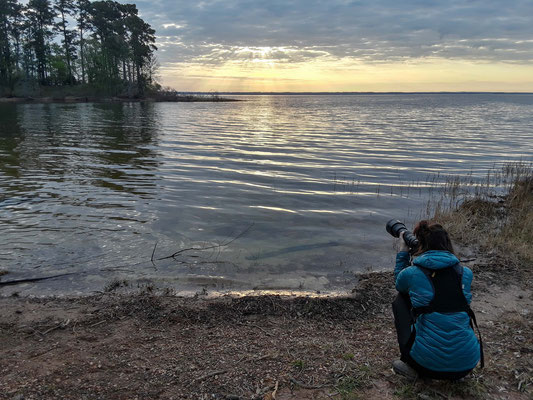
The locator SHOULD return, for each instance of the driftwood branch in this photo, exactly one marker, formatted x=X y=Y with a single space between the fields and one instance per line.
x=218 y=246
x=153 y=254
x=27 y=280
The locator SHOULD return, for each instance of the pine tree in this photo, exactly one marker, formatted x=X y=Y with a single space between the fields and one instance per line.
x=40 y=19
x=8 y=10
x=65 y=9
x=84 y=25
x=17 y=28
x=141 y=42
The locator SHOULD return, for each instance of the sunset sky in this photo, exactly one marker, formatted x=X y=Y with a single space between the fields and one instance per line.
x=343 y=45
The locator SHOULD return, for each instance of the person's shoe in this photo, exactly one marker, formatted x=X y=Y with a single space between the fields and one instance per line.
x=401 y=368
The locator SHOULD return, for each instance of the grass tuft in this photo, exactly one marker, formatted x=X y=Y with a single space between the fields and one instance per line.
x=471 y=387
x=350 y=386
x=496 y=214
x=299 y=365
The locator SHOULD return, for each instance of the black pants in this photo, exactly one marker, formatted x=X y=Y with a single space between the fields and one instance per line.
x=401 y=308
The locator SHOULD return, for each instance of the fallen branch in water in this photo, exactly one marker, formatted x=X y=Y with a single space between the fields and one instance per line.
x=153 y=253
x=218 y=246
x=27 y=280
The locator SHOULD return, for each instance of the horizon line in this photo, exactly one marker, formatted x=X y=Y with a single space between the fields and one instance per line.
x=348 y=93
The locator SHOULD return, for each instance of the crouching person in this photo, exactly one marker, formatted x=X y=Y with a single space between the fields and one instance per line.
x=432 y=315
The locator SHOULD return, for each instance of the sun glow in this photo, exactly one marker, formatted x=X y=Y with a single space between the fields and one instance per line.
x=271 y=69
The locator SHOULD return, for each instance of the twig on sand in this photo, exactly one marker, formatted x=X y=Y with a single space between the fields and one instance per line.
x=44 y=352
x=218 y=246
x=264 y=357
x=60 y=326
x=209 y=375
x=261 y=329
x=275 y=391
x=306 y=386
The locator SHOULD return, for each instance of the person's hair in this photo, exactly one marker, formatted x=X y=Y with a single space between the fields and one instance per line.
x=432 y=237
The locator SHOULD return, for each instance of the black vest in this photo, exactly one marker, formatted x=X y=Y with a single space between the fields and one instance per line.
x=448 y=291
x=448 y=297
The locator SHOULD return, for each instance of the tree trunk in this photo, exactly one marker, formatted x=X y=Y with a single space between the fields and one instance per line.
x=82 y=57
x=67 y=47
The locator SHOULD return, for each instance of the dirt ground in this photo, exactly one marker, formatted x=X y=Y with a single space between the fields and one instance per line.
x=152 y=345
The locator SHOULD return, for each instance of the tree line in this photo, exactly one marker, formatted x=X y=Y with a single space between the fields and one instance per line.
x=101 y=44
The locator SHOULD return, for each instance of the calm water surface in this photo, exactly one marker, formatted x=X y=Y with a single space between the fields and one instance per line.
x=280 y=192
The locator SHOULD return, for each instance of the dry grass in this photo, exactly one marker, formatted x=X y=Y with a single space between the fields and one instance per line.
x=495 y=215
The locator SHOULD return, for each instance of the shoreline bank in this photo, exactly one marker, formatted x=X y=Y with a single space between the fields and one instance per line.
x=154 y=345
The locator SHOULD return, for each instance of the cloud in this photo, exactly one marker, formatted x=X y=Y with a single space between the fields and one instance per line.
x=380 y=31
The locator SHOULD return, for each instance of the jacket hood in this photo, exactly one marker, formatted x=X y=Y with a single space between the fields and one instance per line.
x=436 y=259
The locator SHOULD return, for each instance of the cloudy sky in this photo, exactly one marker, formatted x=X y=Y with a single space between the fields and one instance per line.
x=343 y=45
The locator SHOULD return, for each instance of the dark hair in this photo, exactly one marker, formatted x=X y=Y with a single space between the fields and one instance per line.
x=432 y=237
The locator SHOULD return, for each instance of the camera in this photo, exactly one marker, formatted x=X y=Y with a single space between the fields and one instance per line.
x=395 y=227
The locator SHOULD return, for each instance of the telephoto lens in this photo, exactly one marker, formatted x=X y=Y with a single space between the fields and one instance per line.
x=395 y=227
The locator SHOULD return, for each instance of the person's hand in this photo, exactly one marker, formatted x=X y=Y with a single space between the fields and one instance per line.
x=403 y=246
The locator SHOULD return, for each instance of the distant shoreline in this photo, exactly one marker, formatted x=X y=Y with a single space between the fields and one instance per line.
x=360 y=93
x=92 y=99
x=192 y=97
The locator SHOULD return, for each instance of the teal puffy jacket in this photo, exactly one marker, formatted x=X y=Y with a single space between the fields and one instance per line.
x=444 y=342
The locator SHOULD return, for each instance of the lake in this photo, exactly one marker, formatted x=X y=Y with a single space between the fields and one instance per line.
x=277 y=192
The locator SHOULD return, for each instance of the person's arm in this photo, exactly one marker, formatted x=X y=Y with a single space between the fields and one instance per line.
x=466 y=284
x=403 y=260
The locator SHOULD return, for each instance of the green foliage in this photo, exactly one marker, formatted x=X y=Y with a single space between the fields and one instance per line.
x=59 y=72
x=110 y=47
x=40 y=18
x=64 y=10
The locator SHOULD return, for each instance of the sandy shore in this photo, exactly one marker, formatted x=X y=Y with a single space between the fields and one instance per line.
x=157 y=346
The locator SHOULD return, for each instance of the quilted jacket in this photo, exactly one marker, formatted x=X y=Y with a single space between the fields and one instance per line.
x=444 y=341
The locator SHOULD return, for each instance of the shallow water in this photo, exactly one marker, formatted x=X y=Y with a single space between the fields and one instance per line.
x=280 y=192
